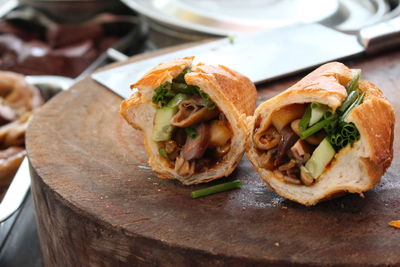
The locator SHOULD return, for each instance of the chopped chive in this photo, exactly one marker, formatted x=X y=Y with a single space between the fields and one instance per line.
x=352 y=85
x=313 y=129
x=329 y=115
x=355 y=104
x=191 y=132
x=305 y=119
x=216 y=189
x=351 y=97
x=163 y=152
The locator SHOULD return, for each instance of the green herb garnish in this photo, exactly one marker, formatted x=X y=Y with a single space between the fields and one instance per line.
x=352 y=85
x=351 y=97
x=163 y=94
x=191 y=132
x=163 y=152
x=209 y=104
x=166 y=91
x=313 y=129
x=339 y=132
x=216 y=189
x=305 y=120
x=184 y=88
x=352 y=106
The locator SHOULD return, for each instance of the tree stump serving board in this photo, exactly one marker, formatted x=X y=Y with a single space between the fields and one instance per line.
x=99 y=204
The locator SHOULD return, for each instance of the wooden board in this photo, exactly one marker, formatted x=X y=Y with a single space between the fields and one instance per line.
x=98 y=204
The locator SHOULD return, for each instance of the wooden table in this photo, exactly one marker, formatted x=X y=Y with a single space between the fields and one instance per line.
x=98 y=204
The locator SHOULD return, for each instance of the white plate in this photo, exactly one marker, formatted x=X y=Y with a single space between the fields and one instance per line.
x=230 y=17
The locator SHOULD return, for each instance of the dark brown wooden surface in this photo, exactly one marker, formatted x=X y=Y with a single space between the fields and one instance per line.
x=97 y=204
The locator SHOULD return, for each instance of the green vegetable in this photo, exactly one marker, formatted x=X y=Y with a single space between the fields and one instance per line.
x=351 y=97
x=191 y=132
x=174 y=102
x=346 y=133
x=352 y=85
x=163 y=94
x=321 y=156
x=163 y=152
x=317 y=113
x=305 y=119
x=184 y=88
x=163 y=128
x=181 y=77
x=166 y=91
x=216 y=189
x=355 y=104
x=207 y=100
x=313 y=129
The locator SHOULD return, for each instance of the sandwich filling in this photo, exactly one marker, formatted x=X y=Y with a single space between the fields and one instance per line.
x=303 y=138
x=191 y=133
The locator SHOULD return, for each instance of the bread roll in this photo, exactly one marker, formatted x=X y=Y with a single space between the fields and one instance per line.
x=355 y=168
x=174 y=154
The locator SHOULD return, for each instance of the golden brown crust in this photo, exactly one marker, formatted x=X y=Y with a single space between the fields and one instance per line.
x=326 y=83
x=225 y=87
x=235 y=87
x=134 y=100
x=355 y=169
x=162 y=72
x=375 y=121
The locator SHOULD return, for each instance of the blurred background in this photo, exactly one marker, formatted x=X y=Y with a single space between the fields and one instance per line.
x=46 y=45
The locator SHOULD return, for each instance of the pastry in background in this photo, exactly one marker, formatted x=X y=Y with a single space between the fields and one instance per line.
x=18 y=100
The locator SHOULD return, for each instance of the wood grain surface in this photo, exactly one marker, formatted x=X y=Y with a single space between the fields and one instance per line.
x=98 y=204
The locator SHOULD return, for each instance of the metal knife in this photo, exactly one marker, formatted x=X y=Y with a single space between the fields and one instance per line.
x=267 y=55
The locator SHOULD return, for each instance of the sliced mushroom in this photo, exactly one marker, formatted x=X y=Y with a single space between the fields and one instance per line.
x=266 y=160
x=184 y=167
x=305 y=176
x=193 y=111
x=180 y=137
x=194 y=148
x=172 y=149
x=288 y=139
x=267 y=139
x=291 y=180
x=287 y=166
x=301 y=151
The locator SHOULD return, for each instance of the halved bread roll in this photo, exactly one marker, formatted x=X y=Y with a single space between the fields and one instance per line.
x=350 y=146
x=193 y=119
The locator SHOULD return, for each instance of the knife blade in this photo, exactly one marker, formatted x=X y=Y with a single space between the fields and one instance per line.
x=266 y=55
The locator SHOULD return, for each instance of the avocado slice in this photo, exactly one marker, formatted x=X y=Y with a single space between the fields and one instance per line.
x=321 y=156
x=162 y=130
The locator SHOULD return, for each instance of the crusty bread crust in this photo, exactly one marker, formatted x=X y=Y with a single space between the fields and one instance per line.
x=234 y=94
x=355 y=168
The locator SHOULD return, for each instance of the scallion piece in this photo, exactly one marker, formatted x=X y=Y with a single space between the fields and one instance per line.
x=216 y=189
x=355 y=104
x=352 y=85
x=191 y=132
x=313 y=129
x=163 y=152
x=351 y=97
x=305 y=119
